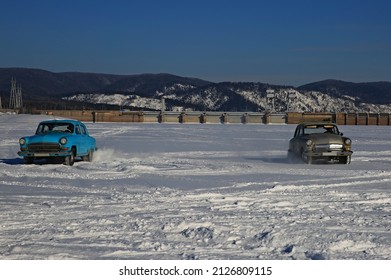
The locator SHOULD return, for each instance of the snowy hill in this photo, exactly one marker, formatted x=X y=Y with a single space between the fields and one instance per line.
x=375 y=92
x=235 y=97
x=72 y=90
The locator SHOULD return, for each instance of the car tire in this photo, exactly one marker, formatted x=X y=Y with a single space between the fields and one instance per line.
x=291 y=157
x=306 y=159
x=89 y=157
x=345 y=160
x=70 y=160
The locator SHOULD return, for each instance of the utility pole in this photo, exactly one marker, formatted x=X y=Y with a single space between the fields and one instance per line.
x=163 y=104
x=162 y=110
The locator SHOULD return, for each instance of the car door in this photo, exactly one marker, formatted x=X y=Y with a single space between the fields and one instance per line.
x=81 y=140
x=292 y=142
x=89 y=142
x=297 y=139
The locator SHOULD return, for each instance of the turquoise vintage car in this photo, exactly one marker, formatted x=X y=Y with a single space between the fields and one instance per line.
x=58 y=139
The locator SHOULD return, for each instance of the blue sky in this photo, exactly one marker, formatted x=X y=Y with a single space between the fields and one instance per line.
x=278 y=42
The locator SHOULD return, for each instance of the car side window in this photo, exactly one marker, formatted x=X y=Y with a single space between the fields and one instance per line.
x=297 y=132
x=78 y=130
x=83 y=130
x=45 y=128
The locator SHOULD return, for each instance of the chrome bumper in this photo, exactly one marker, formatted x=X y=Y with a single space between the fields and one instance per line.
x=42 y=155
x=328 y=153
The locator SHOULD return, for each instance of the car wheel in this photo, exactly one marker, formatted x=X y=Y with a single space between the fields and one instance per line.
x=306 y=159
x=345 y=160
x=291 y=157
x=89 y=157
x=70 y=160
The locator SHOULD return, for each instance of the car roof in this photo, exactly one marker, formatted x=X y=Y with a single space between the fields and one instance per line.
x=318 y=123
x=61 y=121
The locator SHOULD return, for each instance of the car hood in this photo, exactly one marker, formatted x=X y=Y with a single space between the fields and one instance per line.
x=326 y=138
x=45 y=138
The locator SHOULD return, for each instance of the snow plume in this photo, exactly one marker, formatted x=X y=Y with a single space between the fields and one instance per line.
x=105 y=155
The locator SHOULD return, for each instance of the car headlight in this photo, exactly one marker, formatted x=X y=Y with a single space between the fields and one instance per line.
x=348 y=141
x=63 y=141
x=309 y=142
x=22 y=141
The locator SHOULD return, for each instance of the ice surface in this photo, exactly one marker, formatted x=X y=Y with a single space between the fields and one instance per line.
x=195 y=191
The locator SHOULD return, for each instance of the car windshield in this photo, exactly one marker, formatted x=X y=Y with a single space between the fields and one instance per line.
x=311 y=129
x=56 y=127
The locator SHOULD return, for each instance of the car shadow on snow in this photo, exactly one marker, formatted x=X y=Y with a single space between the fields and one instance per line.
x=20 y=161
x=12 y=161
x=287 y=160
x=273 y=159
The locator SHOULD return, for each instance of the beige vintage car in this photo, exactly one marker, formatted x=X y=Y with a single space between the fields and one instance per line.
x=320 y=142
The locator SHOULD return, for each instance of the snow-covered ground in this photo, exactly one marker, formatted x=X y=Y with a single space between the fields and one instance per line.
x=197 y=191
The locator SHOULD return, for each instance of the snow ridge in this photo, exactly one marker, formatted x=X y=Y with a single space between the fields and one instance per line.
x=235 y=97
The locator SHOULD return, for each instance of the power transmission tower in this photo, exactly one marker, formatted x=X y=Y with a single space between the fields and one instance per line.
x=19 y=101
x=15 y=96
